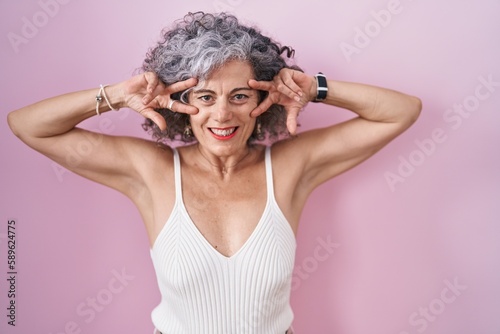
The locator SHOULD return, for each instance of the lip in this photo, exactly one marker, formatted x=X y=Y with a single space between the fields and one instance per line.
x=223 y=137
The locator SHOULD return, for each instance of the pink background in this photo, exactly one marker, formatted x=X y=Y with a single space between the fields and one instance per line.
x=398 y=244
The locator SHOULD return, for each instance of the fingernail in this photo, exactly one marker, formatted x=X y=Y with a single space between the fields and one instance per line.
x=296 y=98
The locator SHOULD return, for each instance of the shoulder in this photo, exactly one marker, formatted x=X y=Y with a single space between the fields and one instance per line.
x=287 y=160
x=292 y=158
x=139 y=149
x=291 y=150
x=149 y=158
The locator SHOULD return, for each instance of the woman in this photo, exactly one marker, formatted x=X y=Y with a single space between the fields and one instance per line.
x=222 y=212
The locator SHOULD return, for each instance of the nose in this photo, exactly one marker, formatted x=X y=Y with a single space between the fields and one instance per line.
x=223 y=111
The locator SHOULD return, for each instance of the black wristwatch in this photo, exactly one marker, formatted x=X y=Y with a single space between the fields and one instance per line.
x=322 y=87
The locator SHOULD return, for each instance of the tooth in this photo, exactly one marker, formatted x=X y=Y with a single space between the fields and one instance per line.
x=223 y=132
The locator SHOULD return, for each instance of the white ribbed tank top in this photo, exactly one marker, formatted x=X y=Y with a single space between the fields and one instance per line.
x=203 y=291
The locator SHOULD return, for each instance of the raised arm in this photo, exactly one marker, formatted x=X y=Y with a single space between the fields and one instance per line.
x=382 y=114
x=49 y=126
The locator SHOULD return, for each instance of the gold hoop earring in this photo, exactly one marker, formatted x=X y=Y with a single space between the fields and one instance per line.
x=188 y=132
x=258 y=129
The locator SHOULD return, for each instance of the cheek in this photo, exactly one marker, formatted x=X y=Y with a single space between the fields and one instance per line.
x=247 y=107
x=196 y=123
x=244 y=110
x=200 y=117
x=254 y=101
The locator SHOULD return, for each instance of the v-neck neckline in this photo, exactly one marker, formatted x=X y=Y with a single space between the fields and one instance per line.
x=197 y=231
x=193 y=226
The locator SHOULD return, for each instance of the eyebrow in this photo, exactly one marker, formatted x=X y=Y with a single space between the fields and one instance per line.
x=203 y=91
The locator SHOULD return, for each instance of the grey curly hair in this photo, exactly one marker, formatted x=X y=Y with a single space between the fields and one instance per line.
x=200 y=43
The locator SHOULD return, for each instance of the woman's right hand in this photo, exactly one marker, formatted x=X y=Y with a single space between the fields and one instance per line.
x=145 y=92
x=120 y=162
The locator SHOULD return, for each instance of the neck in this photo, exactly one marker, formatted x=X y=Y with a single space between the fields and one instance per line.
x=224 y=164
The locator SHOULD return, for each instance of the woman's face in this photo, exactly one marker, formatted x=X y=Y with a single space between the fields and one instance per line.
x=223 y=123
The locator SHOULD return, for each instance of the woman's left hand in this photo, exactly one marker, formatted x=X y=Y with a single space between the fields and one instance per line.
x=289 y=88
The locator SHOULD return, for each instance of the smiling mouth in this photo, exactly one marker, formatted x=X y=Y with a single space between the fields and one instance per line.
x=223 y=133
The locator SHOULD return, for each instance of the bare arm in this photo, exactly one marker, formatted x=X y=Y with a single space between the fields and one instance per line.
x=49 y=126
x=382 y=114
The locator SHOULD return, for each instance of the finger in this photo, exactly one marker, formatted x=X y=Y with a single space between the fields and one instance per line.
x=262 y=107
x=268 y=101
x=289 y=88
x=162 y=102
x=261 y=85
x=160 y=90
x=153 y=87
x=155 y=117
x=180 y=107
x=291 y=120
x=182 y=85
x=152 y=80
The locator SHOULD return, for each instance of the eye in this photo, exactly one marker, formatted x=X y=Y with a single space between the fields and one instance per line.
x=205 y=98
x=240 y=98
